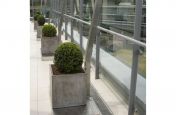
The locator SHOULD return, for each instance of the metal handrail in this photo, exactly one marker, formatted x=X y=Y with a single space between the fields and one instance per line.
x=106 y=30
x=123 y=36
x=119 y=6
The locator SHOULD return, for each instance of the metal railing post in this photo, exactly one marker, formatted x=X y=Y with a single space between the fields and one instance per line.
x=54 y=13
x=91 y=38
x=61 y=20
x=137 y=31
x=80 y=24
x=66 y=20
x=97 y=63
x=33 y=8
x=97 y=60
x=45 y=8
x=51 y=10
x=72 y=13
x=41 y=6
x=57 y=6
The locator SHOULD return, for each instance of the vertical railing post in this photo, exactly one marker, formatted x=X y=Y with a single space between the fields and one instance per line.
x=97 y=60
x=91 y=39
x=137 y=31
x=45 y=8
x=61 y=19
x=50 y=10
x=41 y=6
x=80 y=24
x=55 y=12
x=66 y=20
x=72 y=14
x=33 y=8
x=57 y=7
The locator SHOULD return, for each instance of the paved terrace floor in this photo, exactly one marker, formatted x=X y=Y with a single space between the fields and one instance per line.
x=40 y=101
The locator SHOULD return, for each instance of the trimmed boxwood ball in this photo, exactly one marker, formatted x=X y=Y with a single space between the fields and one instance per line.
x=41 y=20
x=38 y=12
x=49 y=30
x=68 y=58
x=36 y=16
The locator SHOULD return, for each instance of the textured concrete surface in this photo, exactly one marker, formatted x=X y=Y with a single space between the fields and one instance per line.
x=68 y=90
x=39 y=32
x=35 y=25
x=40 y=102
x=49 y=45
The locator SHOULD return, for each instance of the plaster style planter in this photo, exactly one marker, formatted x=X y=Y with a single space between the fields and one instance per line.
x=39 y=32
x=49 y=45
x=68 y=89
x=35 y=25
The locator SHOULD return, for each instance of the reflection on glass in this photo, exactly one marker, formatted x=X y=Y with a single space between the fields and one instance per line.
x=119 y=15
x=142 y=62
x=119 y=48
x=122 y=50
x=142 y=50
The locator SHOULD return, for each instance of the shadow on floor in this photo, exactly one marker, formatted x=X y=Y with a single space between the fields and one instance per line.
x=80 y=110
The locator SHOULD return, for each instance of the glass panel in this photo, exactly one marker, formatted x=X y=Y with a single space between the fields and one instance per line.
x=87 y=13
x=142 y=56
x=119 y=48
x=119 y=16
x=142 y=62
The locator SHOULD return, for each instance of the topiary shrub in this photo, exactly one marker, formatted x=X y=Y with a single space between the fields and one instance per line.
x=41 y=20
x=68 y=58
x=49 y=30
x=38 y=12
x=36 y=16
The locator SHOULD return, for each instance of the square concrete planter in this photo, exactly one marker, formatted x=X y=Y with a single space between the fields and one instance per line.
x=68 y=89
x=39 y=32
x=35 y=25
x=49 y=45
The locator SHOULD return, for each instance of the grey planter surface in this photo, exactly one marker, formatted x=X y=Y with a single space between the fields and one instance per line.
x=68 y=90
x=35 y=25
x=49 y=45
x=39 y=31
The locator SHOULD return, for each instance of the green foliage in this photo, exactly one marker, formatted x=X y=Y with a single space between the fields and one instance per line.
x=41 y=20
x=49 y=30
x=68 y=58
x=37 y=13
x=36 y=16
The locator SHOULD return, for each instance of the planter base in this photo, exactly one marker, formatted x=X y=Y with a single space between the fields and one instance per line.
x=39 y=31
x=49 y=45
x=35 y=25
x=47 y=58
x=68 y=89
